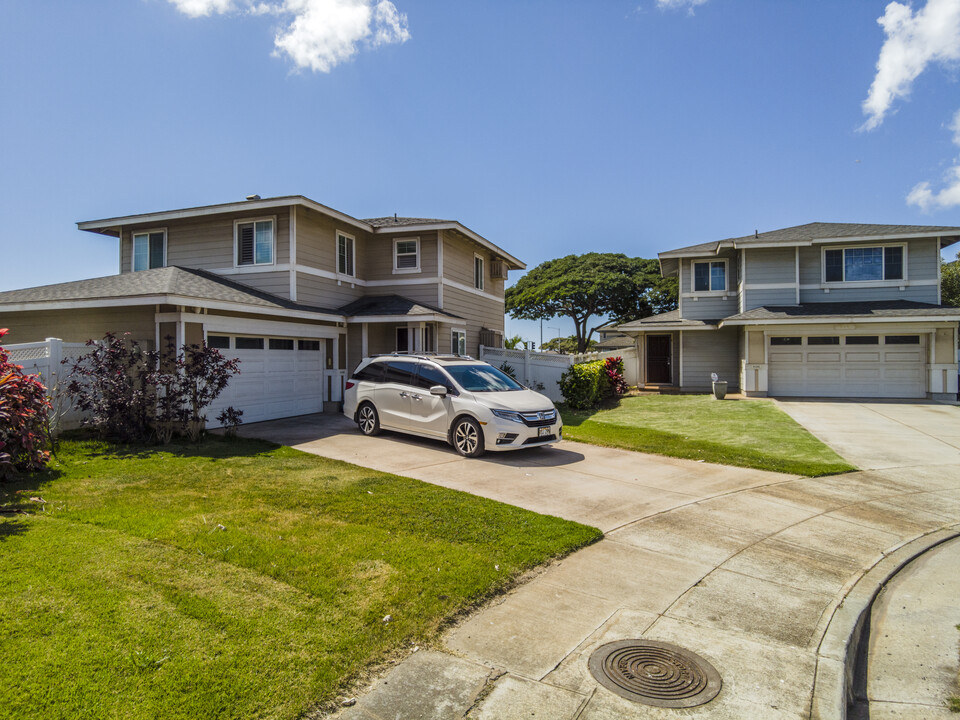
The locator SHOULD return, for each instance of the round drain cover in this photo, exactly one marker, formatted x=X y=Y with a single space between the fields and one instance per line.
x=655 y=673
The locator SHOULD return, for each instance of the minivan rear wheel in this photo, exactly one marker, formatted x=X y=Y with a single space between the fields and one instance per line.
x=368 y=420
x=467 y=437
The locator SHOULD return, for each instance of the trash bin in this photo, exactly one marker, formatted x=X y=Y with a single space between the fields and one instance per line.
x=719 y=389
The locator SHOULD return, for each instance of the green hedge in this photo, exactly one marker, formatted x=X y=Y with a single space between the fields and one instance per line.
x=585 y=385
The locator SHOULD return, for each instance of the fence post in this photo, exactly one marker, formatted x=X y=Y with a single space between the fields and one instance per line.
x=526 y=366
x=55 y=354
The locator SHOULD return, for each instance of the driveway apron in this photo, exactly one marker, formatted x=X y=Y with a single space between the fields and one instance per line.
x=745 y=568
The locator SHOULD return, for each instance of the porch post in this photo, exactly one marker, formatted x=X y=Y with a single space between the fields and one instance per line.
x=364 y=341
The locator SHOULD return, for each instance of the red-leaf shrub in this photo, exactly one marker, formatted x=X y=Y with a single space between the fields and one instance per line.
x=614 y=370
x=24 y=436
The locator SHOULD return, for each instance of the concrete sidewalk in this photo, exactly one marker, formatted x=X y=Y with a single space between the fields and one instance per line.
x=913 y=653
x=747 y=569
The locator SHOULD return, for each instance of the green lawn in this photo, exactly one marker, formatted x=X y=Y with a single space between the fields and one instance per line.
x=747 y=433
x=235 y=579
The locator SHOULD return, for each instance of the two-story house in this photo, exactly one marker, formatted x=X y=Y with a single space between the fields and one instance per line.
x=298 y=291
x=817 y=310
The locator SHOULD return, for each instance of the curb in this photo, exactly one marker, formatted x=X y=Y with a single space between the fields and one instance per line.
x=833 y=685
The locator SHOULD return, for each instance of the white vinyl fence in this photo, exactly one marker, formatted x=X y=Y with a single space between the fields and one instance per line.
x=44 y=358
x=536 y=369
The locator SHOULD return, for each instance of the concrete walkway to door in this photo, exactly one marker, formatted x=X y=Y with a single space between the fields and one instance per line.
x=760 y=574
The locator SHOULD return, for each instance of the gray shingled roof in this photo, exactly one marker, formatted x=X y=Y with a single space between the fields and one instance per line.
x=832 y=311
x=401 y=221
x=671 y=319
x=171 y=280
x=802 y=234
x=616 y=343
x=390 y=305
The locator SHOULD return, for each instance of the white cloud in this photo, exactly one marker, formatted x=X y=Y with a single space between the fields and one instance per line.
x=914 y=41
x=318 y=34
x=924 y=198
x=680 y=4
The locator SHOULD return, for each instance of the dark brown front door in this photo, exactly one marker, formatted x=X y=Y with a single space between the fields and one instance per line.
x=658 y=359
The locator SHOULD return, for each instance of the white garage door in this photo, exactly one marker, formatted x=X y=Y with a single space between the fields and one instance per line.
x=279 y=377
x=847 y=366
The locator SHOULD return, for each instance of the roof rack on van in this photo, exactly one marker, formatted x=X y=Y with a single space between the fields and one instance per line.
x=424 y=355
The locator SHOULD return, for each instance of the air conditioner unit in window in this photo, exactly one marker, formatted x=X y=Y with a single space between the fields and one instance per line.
x=498 y=270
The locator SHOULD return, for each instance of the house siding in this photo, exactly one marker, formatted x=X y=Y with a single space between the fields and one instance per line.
x=317 y=242
x=458 y=255
x=698 y=306
x=325 y=292
x=922 y=265
x=80 y=325
x=707 y=352
x=478 y=313
x=770 y=266
x=380 y=256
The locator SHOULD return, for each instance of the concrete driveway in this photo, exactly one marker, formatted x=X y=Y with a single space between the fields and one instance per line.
x=883 y=434
x=602 y=487
x=763 y=575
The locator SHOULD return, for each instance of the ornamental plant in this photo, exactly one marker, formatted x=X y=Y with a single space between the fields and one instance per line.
x=584 y=385
x=24 y=429
x=131 y=394
x=613 y=367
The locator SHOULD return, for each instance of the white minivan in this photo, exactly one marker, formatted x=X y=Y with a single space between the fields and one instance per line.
x=469 y=403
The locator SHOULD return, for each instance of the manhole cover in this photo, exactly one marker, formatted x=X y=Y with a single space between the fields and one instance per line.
x=655 y=673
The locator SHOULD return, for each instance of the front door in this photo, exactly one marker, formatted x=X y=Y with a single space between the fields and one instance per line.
x=658 y=359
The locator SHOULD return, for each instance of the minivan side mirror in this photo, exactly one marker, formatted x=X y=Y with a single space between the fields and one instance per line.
x=438 y=390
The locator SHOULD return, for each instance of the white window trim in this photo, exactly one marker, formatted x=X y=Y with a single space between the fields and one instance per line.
x=708 y=293
x=336 y=254
x=402 y=271
x=236 y=239
x=861 y=283
x=133 y=246
x=483 y=272
x=455 y=348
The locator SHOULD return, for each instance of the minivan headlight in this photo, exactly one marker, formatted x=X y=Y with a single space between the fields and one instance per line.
x=511 y=415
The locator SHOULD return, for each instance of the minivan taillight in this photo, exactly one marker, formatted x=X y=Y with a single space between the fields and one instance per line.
x=350 y=384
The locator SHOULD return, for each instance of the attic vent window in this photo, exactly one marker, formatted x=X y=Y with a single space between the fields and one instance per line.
x=254 y=241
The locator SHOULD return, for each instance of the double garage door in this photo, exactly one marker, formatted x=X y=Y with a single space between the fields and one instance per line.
x=279 y=377
x=888 y=366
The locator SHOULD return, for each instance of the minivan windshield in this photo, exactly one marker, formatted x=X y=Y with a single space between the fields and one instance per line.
x=482 y=378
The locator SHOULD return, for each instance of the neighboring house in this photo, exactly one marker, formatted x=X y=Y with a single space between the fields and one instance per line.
x=818 y=310
x=298 y=291
x=610 y=338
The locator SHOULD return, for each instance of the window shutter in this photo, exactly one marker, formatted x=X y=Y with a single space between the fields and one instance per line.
x=245 y=244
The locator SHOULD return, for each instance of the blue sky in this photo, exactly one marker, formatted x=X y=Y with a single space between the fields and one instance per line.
x=550 y=127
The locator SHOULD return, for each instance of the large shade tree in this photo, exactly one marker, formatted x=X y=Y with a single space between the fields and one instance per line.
x=582 y=287
x=950 y=282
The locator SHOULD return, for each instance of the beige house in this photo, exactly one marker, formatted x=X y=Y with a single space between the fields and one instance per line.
x=298 y=291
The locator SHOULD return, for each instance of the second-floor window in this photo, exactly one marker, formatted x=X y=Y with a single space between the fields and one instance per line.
x=149 y=250
x=346 y=257
x=406 y=255
x=254 y=242
x=863 y=264
x=478 y=272
x=710 y=276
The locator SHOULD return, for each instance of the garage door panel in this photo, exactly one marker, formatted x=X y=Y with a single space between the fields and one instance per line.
x=848 y=371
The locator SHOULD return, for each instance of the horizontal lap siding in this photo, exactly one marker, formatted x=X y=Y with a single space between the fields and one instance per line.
x=708 y=307
x=325 y=292
x=477 y=311
x=922 y=265
x=317 y=242
x=767 y=266
x=275 y=283
x=458 y=263
x=80 y=325
x=380 y=256
x=706 y=352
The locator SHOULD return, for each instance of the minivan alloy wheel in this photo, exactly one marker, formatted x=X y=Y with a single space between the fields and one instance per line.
x=467 y=439
x=367 y=419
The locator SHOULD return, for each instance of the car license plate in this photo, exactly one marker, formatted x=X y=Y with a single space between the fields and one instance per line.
x=543 y=432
